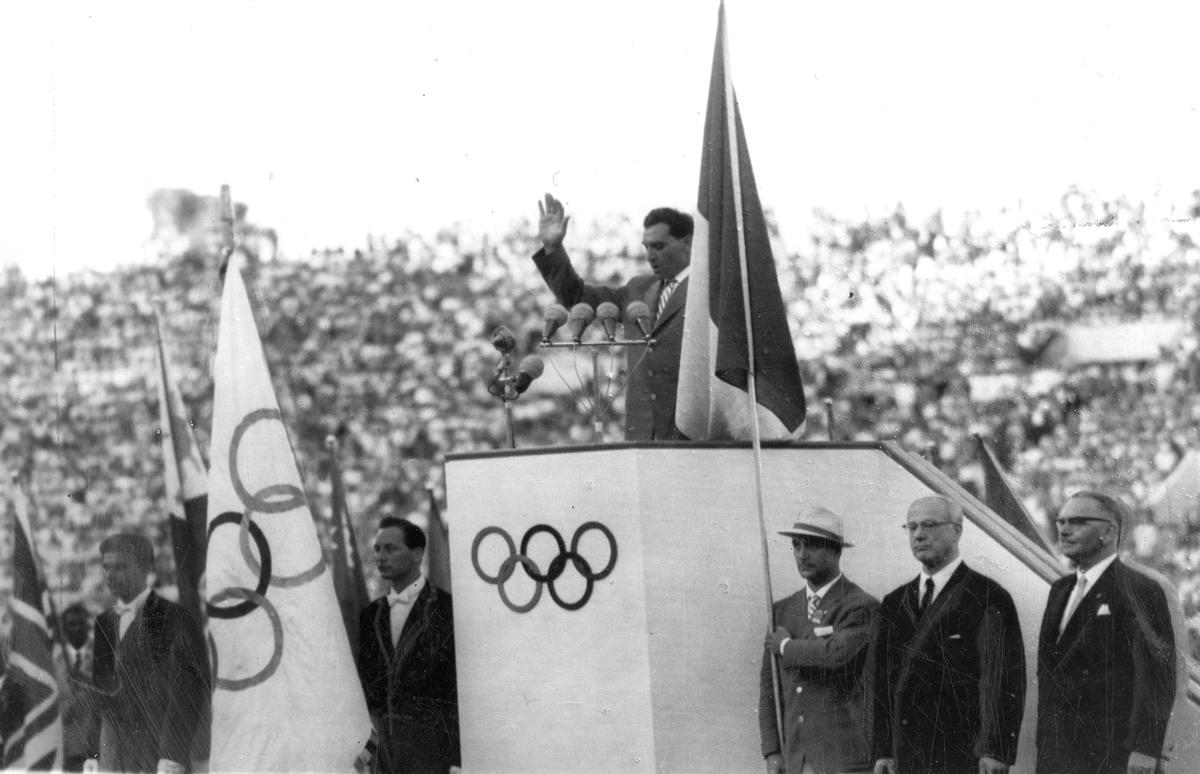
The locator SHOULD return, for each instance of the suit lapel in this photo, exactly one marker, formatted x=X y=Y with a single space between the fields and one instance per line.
x=1060 y=592
x=1072 y=637
x=415 y=626
x=928 y=623
x=909 y=602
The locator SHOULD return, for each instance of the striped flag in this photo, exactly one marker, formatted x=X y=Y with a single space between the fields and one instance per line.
x=349 y=581
x=286 y=693
x=437 y=547
x=731 y=241
x=35 y=742
x=1000 y=497
x=186 y=483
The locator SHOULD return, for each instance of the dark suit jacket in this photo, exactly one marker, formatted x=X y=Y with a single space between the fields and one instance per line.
x=412 y=687
x=950 y=685
x=1106 y=687
x=654 y=373
x=821 y=682
x=153 y=685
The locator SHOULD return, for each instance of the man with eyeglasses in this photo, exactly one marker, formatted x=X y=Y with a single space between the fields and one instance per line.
x=949 y=660
x=821 y=637
x=1106 y=653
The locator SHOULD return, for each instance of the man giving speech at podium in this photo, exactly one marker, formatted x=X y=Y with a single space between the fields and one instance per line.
x=650 y=392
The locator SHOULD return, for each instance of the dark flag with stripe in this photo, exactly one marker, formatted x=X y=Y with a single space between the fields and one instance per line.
x=349 y=580
x=33 y=728
x=731 y=236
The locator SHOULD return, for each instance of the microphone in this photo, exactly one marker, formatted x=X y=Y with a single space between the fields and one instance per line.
x=503 y=340
x=555 y=317
x=581 y=317
x=530 y=369
x=608 y=314
x=640 y=314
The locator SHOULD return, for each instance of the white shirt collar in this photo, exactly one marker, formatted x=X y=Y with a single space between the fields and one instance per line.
x=408 y=594
x=1094 y=572
x=940 y=578
x=821 y=592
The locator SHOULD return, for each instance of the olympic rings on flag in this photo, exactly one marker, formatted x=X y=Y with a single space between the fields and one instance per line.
x=294 y=496
x=255 y=600
x=557 y=565
x=264 y=571
x=283 y=581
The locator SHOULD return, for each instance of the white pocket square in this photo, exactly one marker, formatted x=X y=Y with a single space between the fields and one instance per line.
x=1104 y=610
x=823 y=631
x=955 y=637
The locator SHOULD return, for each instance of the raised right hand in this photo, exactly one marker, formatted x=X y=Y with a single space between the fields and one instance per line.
x=552 y=223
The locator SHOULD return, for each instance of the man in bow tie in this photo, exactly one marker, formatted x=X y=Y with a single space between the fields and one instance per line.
x=148 y=668
x=654 y=375
x=1106 y=653
x=949 y=660
x=406 y=659
x=821 y=636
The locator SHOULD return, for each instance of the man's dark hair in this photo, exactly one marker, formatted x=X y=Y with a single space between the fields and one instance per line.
x=680 y=224
x=136 y=546
x=414 y=536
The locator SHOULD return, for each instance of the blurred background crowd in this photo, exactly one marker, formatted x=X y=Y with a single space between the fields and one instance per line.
x=1069 y=340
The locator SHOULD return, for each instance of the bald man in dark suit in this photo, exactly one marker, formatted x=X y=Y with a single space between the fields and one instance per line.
x=949 y=660
x=654 y=372
x=1106 y=653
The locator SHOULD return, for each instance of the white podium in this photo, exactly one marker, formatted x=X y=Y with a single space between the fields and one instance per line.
x=654 y=665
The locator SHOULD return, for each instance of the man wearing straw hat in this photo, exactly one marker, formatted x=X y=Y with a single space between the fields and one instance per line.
x=820 y=638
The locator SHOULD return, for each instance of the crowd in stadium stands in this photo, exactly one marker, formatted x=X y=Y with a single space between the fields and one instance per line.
x=387 y=347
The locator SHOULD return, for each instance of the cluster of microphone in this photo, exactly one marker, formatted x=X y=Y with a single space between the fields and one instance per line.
x=582 y=315
x=505 y=385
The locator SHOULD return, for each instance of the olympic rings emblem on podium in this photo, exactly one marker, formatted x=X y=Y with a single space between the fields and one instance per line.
x=553 y=572
x=274 y=498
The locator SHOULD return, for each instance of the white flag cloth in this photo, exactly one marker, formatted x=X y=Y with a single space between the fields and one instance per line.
x=286 y=695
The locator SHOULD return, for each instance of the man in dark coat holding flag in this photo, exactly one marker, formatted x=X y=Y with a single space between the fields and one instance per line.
x=653 y=372
x=406 y=660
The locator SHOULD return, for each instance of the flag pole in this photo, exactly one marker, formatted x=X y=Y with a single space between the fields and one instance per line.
x=751 y=390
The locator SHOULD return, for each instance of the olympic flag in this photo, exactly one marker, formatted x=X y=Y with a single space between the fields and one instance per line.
x=286 y=694
x=731 y=240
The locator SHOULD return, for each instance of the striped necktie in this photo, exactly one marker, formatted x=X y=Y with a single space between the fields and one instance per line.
x=664 y=295
x=814 y=601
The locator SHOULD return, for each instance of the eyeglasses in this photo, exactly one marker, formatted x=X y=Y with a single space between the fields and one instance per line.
x=1078 y=521
x=923 y=526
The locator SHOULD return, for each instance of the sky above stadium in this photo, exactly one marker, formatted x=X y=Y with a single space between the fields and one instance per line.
x=332 y=123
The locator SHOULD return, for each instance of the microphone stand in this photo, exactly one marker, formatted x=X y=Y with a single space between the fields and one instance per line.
x=504 y=387
x=595 y=346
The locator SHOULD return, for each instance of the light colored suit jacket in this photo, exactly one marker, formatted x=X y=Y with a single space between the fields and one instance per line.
x=823 y=690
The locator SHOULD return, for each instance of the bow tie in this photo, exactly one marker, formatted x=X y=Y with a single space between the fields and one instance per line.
x=404 y=597
x=122 y=608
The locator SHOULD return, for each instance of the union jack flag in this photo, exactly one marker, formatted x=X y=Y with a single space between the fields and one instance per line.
x=35 y=741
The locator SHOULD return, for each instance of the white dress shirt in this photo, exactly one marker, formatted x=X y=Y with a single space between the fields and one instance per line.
x=128 y=611
x=401 y=603
x=1091 y=575
x=940 y=579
